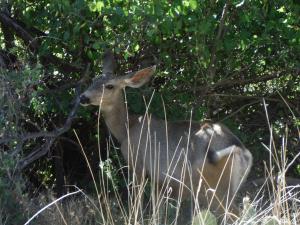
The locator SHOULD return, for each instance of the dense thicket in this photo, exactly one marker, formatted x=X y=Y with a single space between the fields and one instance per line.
x=230 y=61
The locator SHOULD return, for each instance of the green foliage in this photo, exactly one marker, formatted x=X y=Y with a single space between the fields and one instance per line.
x=249 y=212
x=271 y=221
x=211 y=65
x=258 y=38
x=11 y=188
x=205 y=218
x=110 y=173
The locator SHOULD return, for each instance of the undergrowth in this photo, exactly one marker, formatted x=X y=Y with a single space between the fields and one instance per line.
x=273 y=199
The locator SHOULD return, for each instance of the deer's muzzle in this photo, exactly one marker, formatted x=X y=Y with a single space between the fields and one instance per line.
x=84 y=100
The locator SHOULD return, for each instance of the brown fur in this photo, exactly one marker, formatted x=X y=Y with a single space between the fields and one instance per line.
x=185 y=142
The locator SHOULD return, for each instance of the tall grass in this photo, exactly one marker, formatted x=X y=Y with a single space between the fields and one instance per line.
x=271 y=200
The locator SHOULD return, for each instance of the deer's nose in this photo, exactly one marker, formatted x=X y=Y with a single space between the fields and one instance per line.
x=84 y=100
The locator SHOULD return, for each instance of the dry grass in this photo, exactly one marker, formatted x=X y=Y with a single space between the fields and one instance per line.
x=272 y=200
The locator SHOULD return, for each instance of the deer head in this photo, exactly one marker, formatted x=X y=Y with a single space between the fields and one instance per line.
x=107 y=89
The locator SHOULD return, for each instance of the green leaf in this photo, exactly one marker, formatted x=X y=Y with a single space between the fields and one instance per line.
x=136 y=47
x=99 y=6
x=90 y=54
x=281 y=9
x=229 y=44
x=205 y=218
x=66 y=36
x=96 y=6
x=193 y=4
x=97 y=45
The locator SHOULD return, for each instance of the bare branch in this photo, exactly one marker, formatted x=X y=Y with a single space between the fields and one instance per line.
x=7 y=34
x=49 y=136
x=46 y=134
x=20 y=31
x=226 y=84
x=240 y=109
x=36 y=154
x=212 y=66
x=244 y=97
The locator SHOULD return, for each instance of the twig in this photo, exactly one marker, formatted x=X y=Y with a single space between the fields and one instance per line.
x=244 y=96
x=49 y=136
x=36 y=154
x=240 y=109
x=8 y=21
x=212 y=68
x=46 y=134
x=57 y=132
x=47 y=206
x=292 y=112
x=227 y=84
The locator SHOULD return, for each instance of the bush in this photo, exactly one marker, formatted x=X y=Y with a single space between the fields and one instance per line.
x=13 y=201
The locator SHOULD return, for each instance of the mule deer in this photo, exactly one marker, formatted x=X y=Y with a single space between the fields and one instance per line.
x=208 y=153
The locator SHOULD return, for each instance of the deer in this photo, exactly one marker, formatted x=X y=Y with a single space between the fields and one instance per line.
x=200 y=159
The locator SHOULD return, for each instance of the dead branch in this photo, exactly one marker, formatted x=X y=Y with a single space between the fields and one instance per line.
x=36 y=154
x=49 y=137
x=45 y=134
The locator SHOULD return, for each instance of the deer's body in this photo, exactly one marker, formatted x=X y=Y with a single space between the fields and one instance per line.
x=150 y=140
x=187 y=152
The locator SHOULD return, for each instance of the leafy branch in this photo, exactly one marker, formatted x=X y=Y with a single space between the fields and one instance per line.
x=34 y=45
x=49 y=137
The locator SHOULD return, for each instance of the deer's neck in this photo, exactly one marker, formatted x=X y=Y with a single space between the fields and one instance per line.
x=116 y=120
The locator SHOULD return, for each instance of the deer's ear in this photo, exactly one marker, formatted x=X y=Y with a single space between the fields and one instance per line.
x=109 y=63
x=140 y=77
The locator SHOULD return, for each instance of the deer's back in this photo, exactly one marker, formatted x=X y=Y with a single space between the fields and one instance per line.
x=164 y=149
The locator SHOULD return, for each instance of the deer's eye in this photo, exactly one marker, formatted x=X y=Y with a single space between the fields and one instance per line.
x=109 y=86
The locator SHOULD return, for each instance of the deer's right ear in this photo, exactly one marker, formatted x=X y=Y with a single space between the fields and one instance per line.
x=140 y=77
x=109 y=62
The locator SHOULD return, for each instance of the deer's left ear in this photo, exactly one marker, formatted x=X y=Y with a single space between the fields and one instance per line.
x=140 y=77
